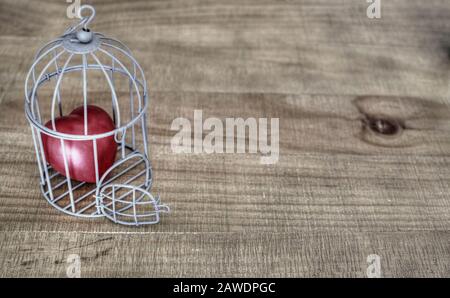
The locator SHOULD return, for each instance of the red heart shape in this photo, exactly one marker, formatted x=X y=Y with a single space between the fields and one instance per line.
x=80 y=153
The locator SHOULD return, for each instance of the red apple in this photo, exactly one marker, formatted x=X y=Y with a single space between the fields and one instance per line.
x=80 y=154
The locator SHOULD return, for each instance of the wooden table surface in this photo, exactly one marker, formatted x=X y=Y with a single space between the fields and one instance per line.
x=364 y=163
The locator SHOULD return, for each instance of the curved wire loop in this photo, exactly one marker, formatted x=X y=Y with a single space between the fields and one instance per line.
x=85 y=21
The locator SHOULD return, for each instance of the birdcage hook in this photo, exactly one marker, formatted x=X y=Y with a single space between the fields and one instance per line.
x=85 y=21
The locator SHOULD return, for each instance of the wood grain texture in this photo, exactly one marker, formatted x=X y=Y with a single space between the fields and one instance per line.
x=364 y=162
x=224 y=254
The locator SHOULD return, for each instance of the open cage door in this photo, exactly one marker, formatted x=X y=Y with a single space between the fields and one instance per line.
x=128 y=204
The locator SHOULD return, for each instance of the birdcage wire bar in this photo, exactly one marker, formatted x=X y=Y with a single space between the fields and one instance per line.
x=58 y=188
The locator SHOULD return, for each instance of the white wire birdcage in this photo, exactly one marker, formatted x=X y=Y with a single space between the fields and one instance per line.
x=91 y=60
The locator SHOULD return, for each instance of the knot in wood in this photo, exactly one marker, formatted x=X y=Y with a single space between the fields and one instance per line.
x=382 y=126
